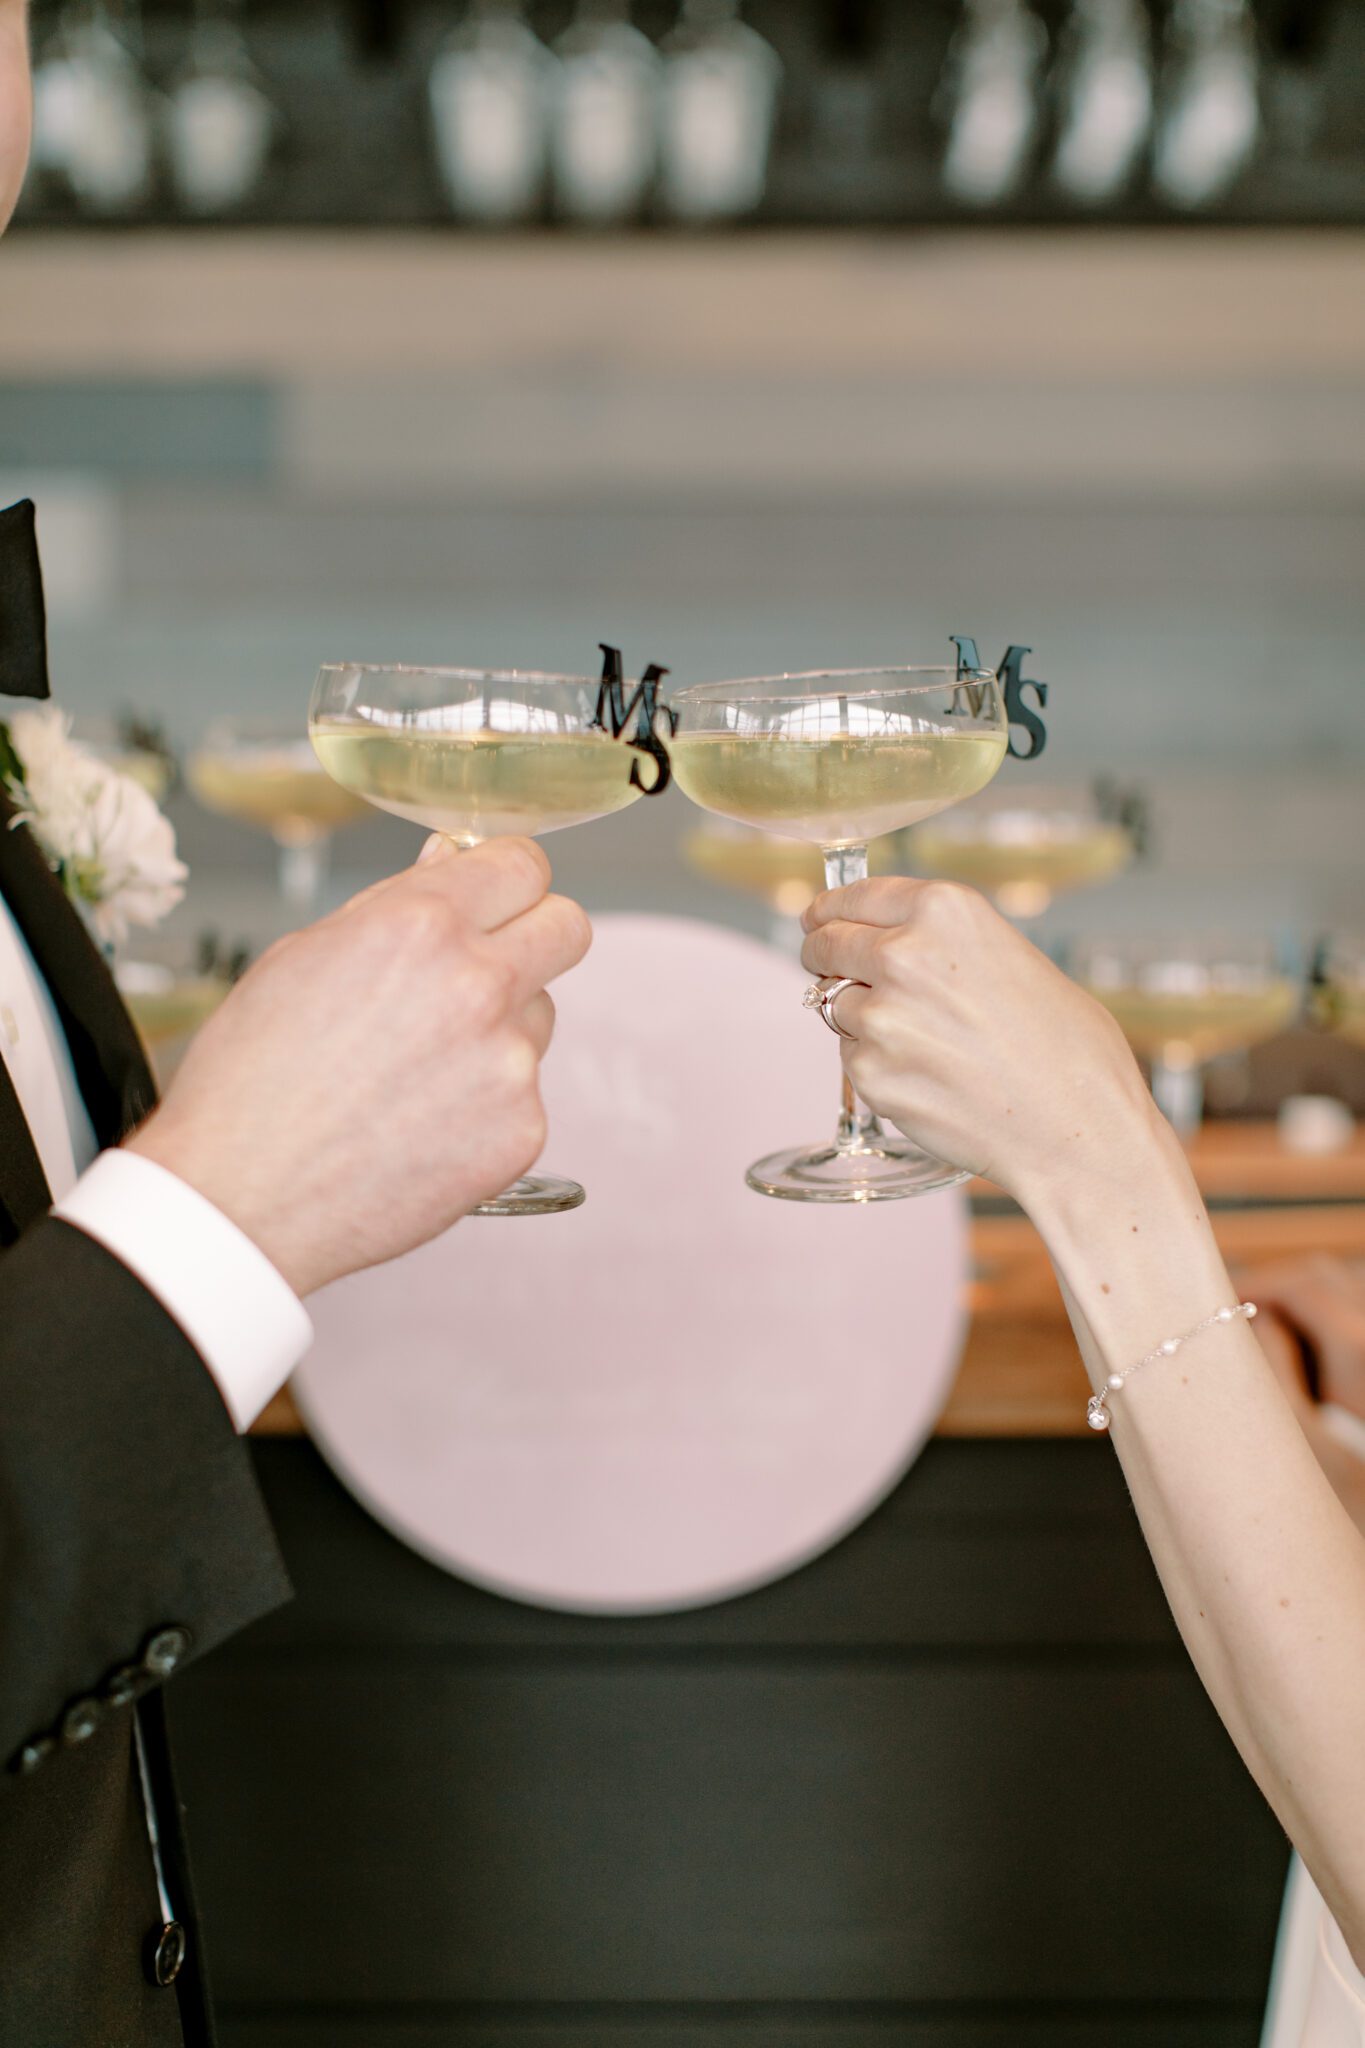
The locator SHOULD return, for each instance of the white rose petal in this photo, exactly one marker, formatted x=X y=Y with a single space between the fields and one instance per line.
x=89 y=818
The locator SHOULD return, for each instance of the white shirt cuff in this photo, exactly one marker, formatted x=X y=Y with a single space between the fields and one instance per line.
x=241 y=1316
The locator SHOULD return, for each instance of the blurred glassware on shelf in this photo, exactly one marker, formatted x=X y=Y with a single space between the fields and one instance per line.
x=168 y=1004
x=1209 y=117
x=604 y=143
x=989 y=97
x=1339 y=988
x=1023 y=849
x=1183 y=1002
x=1106 y=99
x=489 y=94
x=267 y=775
x=173 y=988
x=136 y=748
x=718 y=107
x=219 y=122
x=93 y=118
x=785 y=874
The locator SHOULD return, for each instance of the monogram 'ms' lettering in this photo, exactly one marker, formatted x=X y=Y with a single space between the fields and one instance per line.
x=1014 y=683
x=614 y=711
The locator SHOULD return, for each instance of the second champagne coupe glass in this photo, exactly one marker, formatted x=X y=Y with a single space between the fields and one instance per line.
x=836 y=758
x=1024 y=852
x=1183 y=1002
x=475 y=754
x=1340 y=975
x=265 y=774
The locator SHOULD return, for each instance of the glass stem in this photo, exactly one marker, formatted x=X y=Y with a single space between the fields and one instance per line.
x=303 y=871
x=857 y=1125
x=1178 y=1090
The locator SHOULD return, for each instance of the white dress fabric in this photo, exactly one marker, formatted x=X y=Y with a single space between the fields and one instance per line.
x=1317 y=1995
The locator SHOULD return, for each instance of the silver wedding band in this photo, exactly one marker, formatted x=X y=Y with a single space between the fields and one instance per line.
x=822 y=996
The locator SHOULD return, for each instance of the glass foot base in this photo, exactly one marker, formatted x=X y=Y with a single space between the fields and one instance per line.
x=535 y=1194
x=882 y=1169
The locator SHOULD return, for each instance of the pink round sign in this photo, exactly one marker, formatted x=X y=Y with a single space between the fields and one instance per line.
x=680 y=1390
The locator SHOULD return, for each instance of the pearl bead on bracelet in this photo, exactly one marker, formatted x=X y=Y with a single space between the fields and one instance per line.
x=1097 y=1408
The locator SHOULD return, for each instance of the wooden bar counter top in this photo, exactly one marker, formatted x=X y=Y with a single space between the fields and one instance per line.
x=1021 y=1375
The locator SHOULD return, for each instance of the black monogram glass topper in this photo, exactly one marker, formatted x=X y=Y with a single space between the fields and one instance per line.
x=1013 y=683
x=614 y=712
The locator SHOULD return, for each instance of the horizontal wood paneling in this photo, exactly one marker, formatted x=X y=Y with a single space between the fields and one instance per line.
x=1201 y=306
x=894 y=2027
x=944 y=1831
x=986 y=1545
x=957 y=1767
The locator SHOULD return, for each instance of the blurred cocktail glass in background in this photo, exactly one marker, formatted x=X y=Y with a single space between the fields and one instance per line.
x=135 y=748
x=266 y=775
x=786 y=874
x=1340 y=978
x=171 y=988
x=1024 y=849
x=1184 y=1002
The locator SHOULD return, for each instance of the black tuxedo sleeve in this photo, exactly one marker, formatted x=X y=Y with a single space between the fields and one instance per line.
x=132 y=1533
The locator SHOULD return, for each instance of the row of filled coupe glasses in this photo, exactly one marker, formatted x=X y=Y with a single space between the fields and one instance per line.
x=834 y=758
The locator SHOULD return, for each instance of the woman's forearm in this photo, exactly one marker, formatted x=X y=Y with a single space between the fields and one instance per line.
x=1263 y=1568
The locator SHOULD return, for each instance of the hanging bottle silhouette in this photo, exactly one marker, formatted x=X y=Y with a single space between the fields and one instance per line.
x=604 y=130
x=718 y=106
x=490 y=93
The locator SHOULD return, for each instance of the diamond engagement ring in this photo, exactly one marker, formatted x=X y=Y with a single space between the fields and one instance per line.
x=822 y=996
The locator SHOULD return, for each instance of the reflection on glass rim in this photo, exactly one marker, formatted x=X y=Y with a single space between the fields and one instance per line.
x=1019 y=826
x=463 y=675
x=936 y=677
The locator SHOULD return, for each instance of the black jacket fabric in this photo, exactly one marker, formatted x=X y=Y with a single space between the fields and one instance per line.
x=132 y=1539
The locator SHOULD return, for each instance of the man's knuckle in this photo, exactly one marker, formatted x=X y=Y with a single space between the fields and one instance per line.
x=528 y=865
x=519 y=1062
x=485 y=988
x=423 y=920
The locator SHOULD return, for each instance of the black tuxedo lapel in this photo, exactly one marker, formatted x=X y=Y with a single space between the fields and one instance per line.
x=23 y=617
x=111 y=1069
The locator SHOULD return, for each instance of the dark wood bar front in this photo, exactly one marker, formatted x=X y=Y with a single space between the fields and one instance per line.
x=952 y=1785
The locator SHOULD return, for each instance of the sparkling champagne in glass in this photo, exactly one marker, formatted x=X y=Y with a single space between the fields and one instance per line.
x=1183 y=1002
x=1024 y=852
x=837 y=758
x=477 y=754
x=265 y=775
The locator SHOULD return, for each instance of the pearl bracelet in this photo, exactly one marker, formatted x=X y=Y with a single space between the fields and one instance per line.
x=1097 y=1408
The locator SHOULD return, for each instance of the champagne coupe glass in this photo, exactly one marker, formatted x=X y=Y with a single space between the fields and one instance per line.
x=1183 y=1002
x=170 y=990
x=135 y=748
x=786 y=874
x=475 y=754
x=266 y=774
x=1341 y=998
x=1024 y=852
x=836 y=758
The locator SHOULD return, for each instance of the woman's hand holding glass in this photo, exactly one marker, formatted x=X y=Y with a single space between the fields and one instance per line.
x=971 y=1041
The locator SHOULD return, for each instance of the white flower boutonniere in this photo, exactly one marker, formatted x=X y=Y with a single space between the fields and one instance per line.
x=104 y=838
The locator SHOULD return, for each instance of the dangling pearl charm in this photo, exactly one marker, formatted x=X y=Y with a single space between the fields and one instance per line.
x=1097 y=1415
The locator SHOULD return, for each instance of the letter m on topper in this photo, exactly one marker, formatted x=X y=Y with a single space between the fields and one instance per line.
x=615 y=710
